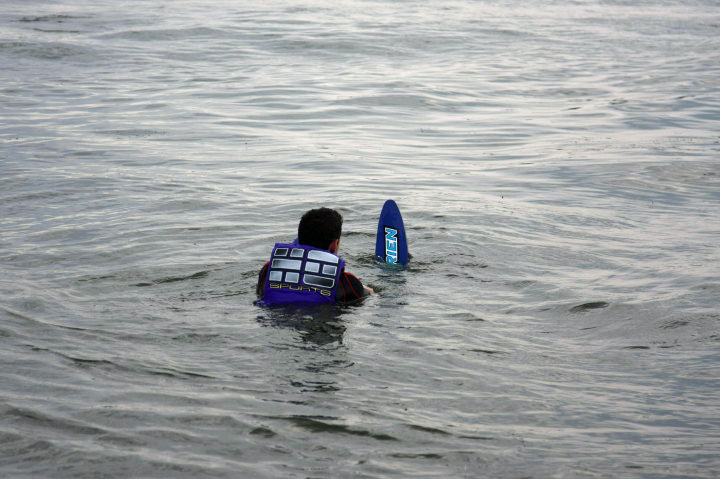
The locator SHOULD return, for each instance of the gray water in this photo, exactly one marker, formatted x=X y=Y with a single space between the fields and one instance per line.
x=557 y=165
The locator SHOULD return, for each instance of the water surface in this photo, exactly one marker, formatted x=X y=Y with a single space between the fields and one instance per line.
x=557 y=168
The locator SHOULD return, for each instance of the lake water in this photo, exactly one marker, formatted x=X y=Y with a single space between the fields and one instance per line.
x=558 y=167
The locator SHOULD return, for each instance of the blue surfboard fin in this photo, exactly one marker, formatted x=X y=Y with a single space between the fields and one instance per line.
x=391 y=242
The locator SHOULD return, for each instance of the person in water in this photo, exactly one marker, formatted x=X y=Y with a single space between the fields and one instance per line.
x=309 y=271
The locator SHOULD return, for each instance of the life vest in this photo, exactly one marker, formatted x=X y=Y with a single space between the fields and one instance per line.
x=299 y=274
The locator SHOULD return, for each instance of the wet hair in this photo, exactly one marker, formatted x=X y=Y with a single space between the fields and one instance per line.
x=320 y=227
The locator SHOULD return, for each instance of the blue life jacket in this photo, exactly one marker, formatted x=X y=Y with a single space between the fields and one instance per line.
x=299 y=274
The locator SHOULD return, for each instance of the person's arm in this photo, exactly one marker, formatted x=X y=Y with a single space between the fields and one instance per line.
x=351 y=288
x=261 y=280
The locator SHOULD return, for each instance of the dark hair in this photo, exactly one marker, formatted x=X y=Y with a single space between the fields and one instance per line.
x=320 y=227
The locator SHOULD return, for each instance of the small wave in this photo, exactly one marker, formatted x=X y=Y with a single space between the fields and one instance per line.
x=263 y=431
x=490 y=352
x=581 y=308
x=37 y=321
x=416 y=455
x=57 y=18
x=41 y=419
x=166 y=34
x=176 y=373
x=46 y=50
x=321 y=424
x=133 y=133
x=465 y=316
x=174 y=279
x=431 y=430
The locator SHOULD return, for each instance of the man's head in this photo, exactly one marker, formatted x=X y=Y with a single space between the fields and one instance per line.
x=320 y=228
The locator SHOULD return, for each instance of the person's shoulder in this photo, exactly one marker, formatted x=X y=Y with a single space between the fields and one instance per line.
x=264 y=269
x=261 y=279
x=350 y=276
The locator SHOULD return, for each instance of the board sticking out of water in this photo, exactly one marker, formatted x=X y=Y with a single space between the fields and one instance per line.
x=390 y=243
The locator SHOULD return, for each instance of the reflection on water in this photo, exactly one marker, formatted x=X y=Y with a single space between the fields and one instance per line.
x=319 y=325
